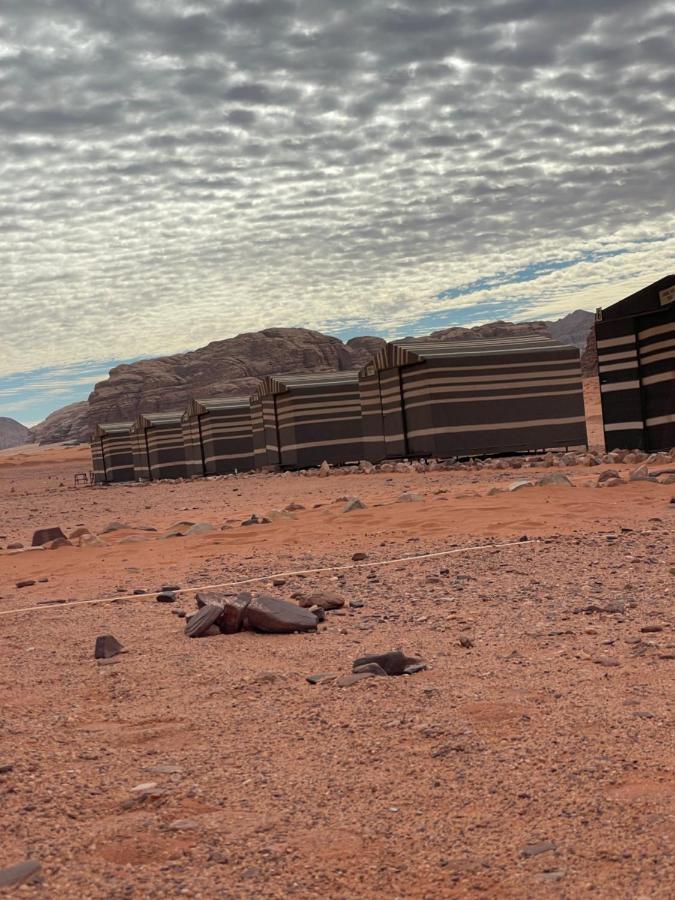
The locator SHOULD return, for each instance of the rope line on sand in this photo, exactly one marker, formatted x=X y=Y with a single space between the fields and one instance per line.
x=212 y=587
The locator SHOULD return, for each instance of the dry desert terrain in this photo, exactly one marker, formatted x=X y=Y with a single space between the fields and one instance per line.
x=532 y=758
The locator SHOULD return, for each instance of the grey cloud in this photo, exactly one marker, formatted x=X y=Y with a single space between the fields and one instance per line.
x=203 y=168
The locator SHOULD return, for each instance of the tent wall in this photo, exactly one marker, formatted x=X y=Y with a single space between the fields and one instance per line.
x=301 y=421
x=470 y=398
x=636 y=359
x=166 y=451
x=192 y=445
x=97 y=464
x=218 y=437
x=141 y=462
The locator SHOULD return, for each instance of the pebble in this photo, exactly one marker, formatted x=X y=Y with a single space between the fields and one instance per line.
x=27 y=582
x=19 y=872
x=166 y=597
x=107 y=646
x=532 y=850
x=607 y=661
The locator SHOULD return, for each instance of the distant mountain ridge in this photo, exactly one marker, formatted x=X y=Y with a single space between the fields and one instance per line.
x=13 y=433
x=235 y=365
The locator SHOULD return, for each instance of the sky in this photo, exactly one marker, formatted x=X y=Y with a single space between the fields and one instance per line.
x=175 y=172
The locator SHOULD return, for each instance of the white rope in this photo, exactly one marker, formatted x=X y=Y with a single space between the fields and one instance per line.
x=223 y=584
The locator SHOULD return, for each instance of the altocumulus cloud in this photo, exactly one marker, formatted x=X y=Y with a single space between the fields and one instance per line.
x=175 y=171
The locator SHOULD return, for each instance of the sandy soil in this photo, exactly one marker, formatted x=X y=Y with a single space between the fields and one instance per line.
x=536 y=763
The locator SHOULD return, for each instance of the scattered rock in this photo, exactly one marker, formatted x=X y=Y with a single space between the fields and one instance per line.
x=183 y=825
x=607 y=661
x=519 y=485
x=19 y=872
x=651 y=629
x=532 y=850
x=107 y=646
x=394 y=662
x=166 y=597
x=321 y=678
x=15 y=545
x=356 y=604
x=465 y=642
x=554 y=478
x=5 y=767
x=233 y=608
x=409 y=497
x=115 y=526
x=353 y=504
x=200 y=528
x=27 y=582
x=359 y=556
x=323 y=599
x=46 y=535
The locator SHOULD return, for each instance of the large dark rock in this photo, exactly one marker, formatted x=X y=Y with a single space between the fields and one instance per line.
x=231 y=619
x=273 y=616
x=107 y=646
x=394 y=663
x=45 y=535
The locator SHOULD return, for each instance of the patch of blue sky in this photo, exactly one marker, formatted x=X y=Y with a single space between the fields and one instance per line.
x=29 y=397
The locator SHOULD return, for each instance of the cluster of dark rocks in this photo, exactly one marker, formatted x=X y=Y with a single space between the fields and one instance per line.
x=391 y=663
x=220 y=613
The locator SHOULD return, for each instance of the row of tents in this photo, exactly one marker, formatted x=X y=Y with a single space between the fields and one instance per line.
x=434 y=399
x=421 y=399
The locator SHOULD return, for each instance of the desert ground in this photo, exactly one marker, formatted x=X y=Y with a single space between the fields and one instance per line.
x=532 y=758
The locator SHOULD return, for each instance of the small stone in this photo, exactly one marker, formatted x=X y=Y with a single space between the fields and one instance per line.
x=555 y=478
x=353 y=504
x=325 y=599
x=409 y=497
x=320 y=678
x=393 y=663
x=107 y=646
x=319 y=612
x=651 y=629
x=607 y=661
x=273 y=616
x=359 y=556
x=166 y=597
x=46 y=535
x=356 y=604
x=115 y=526
x=27 y=582
x=278 y=582
x=519 y=485
x=15 y=545
x=465 y=642
x=532 y=850
x=200 y=528
x=5 y=767
x=19 y=872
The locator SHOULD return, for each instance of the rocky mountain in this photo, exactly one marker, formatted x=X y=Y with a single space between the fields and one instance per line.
x=13 y=433
x=70 y=423
x=234 y=366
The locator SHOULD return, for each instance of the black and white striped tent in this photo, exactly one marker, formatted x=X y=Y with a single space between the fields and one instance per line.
x=302 y=420
x=463 y=398
x=636 y=359
x=218 y=436
x=158 y=446
x=112 y=453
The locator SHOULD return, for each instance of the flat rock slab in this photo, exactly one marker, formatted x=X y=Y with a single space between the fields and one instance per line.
x=320 y=678
x=273 y=616
x=18 y=873
x=555 y=478
x=199 y=623
x=532 y=850
x=107 y=646
x=46 y=535
x=373 y=668
x=394 y=663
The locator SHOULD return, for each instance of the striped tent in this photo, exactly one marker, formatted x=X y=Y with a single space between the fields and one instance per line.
x=463 y=398
x=218 y=436
x=112 y=453
x=158 y=446
x=636 y=359
x=302 y=420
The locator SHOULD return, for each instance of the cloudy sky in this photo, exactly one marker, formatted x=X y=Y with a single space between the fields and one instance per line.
x=175 y=172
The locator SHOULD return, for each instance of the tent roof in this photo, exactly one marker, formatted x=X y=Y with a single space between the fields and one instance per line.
x=215 y=404
x=279 y=384
x=648 y=299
